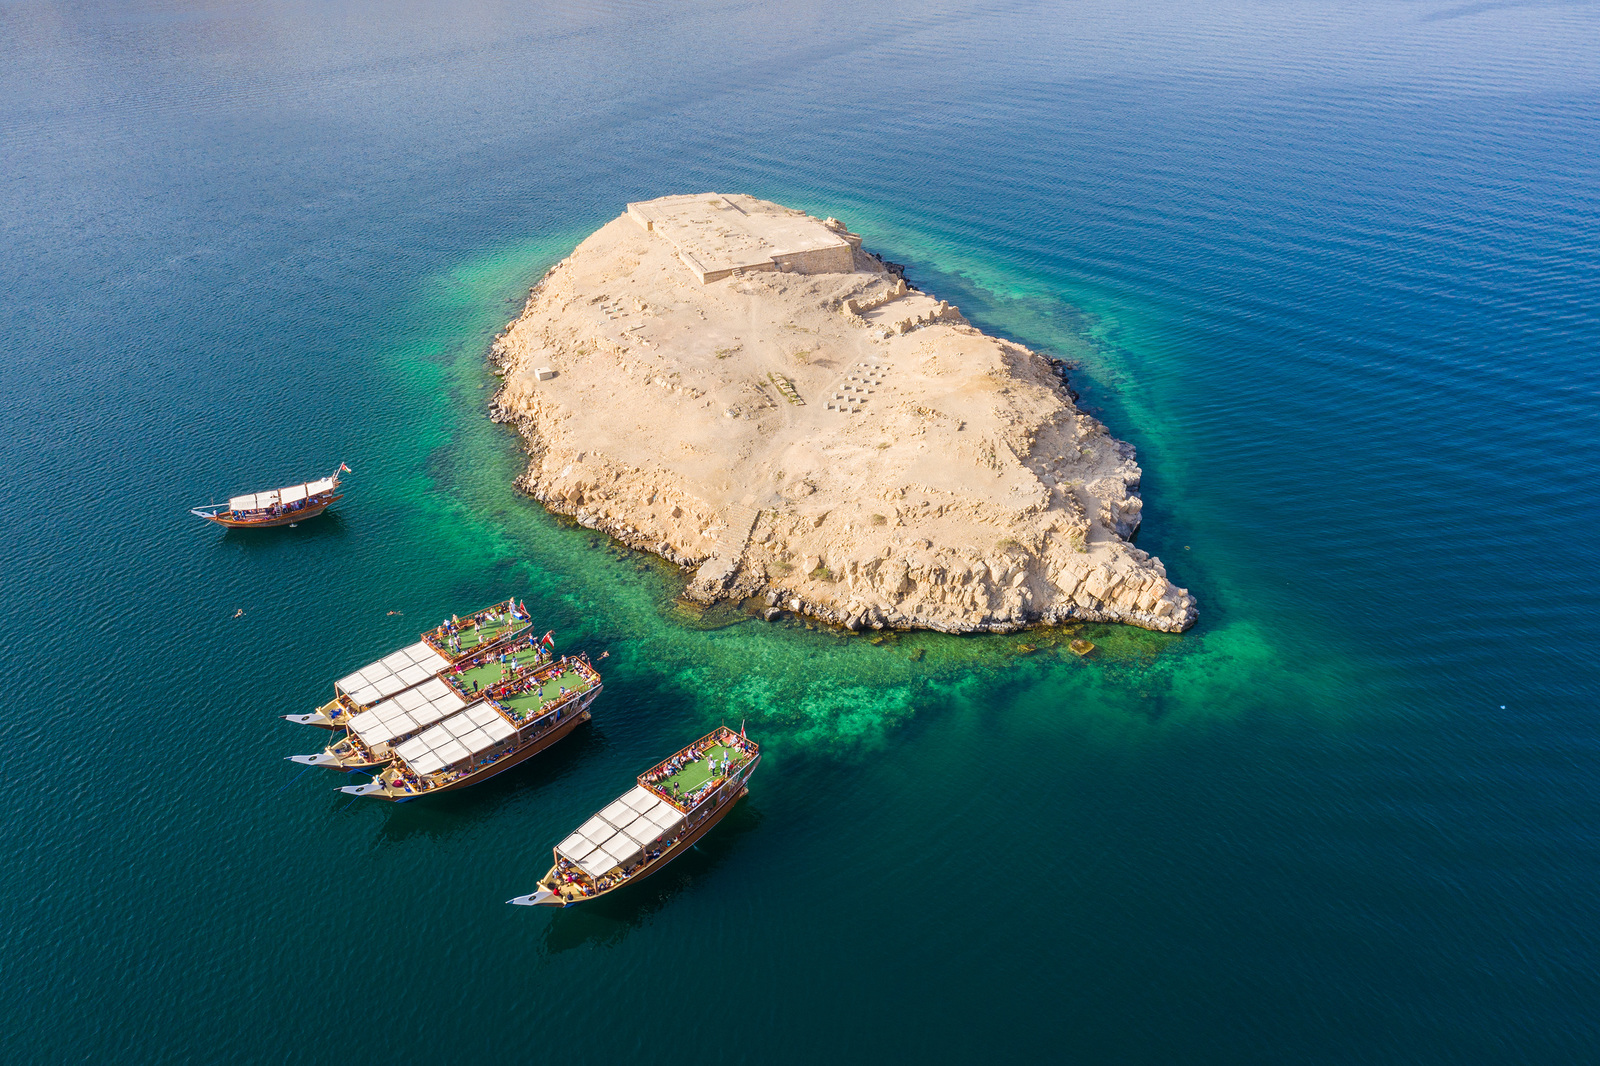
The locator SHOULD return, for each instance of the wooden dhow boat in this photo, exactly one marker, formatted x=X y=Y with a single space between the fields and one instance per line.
x=509 y=724
x=673 y=805
x=453 y=641
x=276 y=507
x=372 y=734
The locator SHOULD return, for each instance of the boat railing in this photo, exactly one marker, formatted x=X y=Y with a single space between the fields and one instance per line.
x=722 y=734
x=453 y=676
x=436 y=635
x=526 y=683
x=739 y=774
x=740 y=771
x=489 y=651
x=559 y=703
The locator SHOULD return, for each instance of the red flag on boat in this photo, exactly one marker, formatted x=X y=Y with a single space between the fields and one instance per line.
x=741 y=730
x=345 y=469
x=549 y=639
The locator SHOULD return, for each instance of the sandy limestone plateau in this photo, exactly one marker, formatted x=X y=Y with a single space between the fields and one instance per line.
x=740 y=388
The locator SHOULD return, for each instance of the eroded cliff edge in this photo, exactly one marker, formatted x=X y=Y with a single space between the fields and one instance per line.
x=742 y=389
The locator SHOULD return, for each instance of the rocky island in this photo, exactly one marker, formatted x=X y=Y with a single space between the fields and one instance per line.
x=743 y=389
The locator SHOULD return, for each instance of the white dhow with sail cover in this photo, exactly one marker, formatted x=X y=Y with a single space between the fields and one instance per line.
x=276 y=507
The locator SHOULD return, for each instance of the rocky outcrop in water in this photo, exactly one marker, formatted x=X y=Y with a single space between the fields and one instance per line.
x=703 y=379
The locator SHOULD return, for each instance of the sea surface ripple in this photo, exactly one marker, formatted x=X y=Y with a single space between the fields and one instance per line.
x=1333 y=269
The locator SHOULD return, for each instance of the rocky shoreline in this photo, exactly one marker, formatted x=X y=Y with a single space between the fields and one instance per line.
x=828 y=442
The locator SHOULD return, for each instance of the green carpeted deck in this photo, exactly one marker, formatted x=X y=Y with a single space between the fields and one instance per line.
x=696 y=773
x=477 y=636
x=527 y=704
x=492 y=672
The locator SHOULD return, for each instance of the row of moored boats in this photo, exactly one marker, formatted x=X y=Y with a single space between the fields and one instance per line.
x=481 y=694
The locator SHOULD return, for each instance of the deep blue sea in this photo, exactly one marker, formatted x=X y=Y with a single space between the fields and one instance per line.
x=1334 y=269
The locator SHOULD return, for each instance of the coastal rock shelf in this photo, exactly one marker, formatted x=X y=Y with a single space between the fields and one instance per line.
x=740 y=388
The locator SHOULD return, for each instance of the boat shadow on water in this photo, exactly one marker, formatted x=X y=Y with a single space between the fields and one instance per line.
x=606 y=921
x=453 y=812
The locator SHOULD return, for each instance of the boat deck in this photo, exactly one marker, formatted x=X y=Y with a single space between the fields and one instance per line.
x=683 y=781
x=525 y=705
x=476 y=636
x=492 y=672
x=649 y=841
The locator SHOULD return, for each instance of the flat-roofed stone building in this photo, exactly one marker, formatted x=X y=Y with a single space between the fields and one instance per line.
x=720 y=236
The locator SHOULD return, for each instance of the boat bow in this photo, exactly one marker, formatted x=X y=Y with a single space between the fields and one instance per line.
x=532 y=899
x=322 y=758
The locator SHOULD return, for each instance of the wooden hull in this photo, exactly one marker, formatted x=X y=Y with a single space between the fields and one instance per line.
x=287 y=518
x=480 y=776
x=678 y=848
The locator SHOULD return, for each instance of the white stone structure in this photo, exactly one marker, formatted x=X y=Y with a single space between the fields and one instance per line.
x=719 y=236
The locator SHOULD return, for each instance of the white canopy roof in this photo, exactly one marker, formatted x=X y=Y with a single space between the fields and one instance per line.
x=575 y=845
x=642 y=830
x=260 y=501
x=597 y=863
x=452 y=752
x=391 y=675
x=623 y=850
x=408 y=712
x=617 y=835
x=484 y=715
x=618 y=850
x=639 y=798
x=427 y=763
x=254 y=501
x=456 y=739
x=667 y=818
x=618 y=813
x=597 y=829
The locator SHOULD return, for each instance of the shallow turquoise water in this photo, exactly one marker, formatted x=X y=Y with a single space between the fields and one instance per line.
x=1333 y=271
